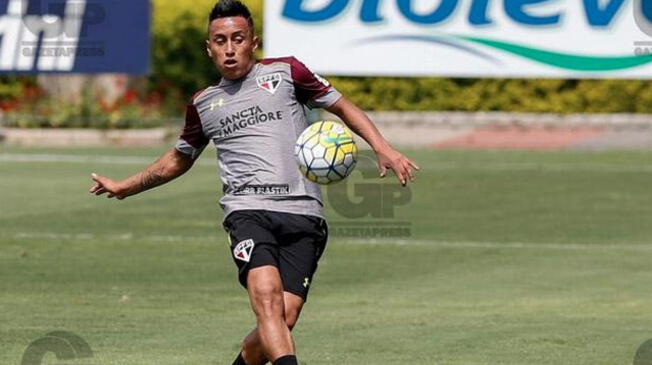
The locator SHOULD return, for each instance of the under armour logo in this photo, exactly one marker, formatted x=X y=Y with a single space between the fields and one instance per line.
x=306 y=282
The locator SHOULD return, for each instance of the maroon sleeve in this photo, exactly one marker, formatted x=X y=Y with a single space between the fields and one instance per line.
x=192 y=140
x=307 y=85
x=192 y=131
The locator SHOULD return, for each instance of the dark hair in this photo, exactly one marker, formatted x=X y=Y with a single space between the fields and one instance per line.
x=229 y=8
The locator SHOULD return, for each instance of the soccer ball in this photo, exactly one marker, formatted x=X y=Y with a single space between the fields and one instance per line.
x=326 y=152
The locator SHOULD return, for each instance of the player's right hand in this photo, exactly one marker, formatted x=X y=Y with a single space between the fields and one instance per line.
x=105 y=185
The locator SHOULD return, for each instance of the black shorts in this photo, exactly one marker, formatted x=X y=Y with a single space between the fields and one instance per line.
x=291 y=242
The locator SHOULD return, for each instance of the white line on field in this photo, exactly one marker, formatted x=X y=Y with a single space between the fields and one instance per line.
x=502 y=245
x=442 y=165
x=127 y=236
x=88 y=159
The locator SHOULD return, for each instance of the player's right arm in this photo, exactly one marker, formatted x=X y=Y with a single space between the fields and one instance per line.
x=168 y=167
x=171 y=165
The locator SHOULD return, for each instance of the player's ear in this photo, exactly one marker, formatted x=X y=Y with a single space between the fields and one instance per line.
x=255 y=47
x=208 y=48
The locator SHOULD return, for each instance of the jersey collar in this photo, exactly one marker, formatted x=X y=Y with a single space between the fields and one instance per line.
x=251 y=74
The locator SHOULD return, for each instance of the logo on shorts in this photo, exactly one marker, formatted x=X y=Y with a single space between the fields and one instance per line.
x=242 y=250
x=269 y=82
x=306 y=282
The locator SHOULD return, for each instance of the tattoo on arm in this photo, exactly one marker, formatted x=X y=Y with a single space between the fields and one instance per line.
x=150 y=179
x=166 y=168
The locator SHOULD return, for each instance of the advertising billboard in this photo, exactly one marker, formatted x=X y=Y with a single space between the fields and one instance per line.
x=465 y=38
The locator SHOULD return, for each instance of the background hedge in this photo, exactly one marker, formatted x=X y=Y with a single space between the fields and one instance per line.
x=179 y=59
x=180 y=67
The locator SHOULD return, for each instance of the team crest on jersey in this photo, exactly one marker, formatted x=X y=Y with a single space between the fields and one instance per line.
x=269 y=82
x=243 y=249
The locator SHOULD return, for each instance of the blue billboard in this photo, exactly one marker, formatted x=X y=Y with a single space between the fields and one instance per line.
x=74 y=36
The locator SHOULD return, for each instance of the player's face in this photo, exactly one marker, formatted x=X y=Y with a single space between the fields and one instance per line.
x=231 y=45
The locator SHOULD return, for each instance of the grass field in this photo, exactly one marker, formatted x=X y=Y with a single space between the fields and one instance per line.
x=514 y=258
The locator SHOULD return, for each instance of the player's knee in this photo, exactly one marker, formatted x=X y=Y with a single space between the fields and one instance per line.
x=249 y=347
x=291 y=316
x=267 y=301
x=291 y=322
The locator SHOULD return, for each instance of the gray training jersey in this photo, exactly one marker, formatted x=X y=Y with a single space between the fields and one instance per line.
x=254 y=123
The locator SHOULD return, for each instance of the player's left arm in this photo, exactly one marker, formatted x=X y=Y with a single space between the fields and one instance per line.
x=361 y=124
x=314 y=91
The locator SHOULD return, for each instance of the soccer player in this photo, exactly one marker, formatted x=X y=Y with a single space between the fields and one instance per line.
x=273 y=215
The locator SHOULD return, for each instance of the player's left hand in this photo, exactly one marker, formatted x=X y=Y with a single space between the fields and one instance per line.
x=403 y=167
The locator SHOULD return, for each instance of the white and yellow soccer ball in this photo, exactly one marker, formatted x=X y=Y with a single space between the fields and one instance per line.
x=326 y=152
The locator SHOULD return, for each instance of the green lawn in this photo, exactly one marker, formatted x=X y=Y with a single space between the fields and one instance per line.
x=513 y=258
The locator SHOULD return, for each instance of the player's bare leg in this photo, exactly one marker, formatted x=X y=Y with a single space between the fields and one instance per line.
x=267 y=300
x=252 y=348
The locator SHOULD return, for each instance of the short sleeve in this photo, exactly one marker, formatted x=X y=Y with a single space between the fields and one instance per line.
x=312 y=89
x=192 y=140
